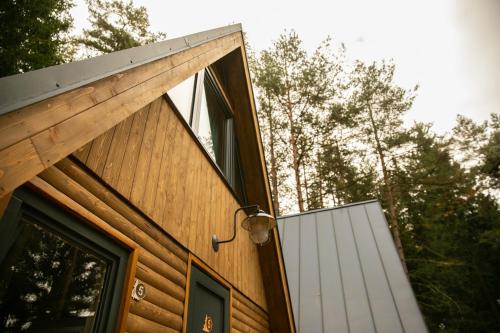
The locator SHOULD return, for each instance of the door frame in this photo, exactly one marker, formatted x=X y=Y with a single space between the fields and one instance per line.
x=192 y=259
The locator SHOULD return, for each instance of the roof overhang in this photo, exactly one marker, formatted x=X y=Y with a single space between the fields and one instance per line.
x=41 y=112
x=17 y=91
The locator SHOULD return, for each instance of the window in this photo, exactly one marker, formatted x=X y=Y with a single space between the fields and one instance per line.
x=210 y=118
x=212 y=124
x=57 y=274
x=182 y=96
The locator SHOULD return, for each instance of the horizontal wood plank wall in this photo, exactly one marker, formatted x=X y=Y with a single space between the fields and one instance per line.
x=246 y=316
x=162 y=264
x=152 y=160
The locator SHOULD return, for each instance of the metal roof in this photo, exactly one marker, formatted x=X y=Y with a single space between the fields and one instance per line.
x=344 y=274
x=20 y=90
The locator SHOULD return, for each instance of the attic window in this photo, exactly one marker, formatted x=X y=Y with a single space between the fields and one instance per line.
x=182 y=96
x=200 y=101
x=212 y=123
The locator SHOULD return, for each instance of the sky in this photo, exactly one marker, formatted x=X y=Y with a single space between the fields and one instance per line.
x=450 y=48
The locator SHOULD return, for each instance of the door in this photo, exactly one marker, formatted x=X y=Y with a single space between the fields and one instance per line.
x=208 y=307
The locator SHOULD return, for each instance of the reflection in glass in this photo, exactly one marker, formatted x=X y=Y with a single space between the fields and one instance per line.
x=182 y=96
x=212 y=129
x=48 y=284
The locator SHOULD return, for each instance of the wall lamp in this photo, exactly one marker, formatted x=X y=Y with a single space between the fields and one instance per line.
x=258 y=223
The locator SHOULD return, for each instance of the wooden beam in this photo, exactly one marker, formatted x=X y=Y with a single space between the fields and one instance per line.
x=258 y=189
x=39 y=135
x=4 y=202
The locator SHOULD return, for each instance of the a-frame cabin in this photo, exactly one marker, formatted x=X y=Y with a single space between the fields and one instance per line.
x=115 y=172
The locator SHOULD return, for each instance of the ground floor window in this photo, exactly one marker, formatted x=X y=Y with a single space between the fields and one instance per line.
x=57 y=274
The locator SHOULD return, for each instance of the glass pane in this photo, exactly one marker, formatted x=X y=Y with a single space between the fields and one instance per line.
x=182 y=96
x=48 y=284
x=212 y=130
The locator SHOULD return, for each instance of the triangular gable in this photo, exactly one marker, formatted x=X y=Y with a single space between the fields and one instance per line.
x=46 y=115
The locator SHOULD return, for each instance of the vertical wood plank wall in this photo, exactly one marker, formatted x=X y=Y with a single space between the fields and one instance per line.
x=152 y=160
x=162 y=264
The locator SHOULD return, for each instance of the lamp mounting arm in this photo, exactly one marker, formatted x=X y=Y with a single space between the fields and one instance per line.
x=215 y=239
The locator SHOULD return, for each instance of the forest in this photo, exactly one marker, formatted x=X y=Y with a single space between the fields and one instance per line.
x=334 y=133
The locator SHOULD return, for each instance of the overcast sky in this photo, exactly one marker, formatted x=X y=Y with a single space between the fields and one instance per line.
x=451 y=48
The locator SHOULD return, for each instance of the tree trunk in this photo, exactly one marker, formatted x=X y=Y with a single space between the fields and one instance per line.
x=393 y=219
x=273 y=171
x=320 y=182
x=306 y=187
x=296 y=164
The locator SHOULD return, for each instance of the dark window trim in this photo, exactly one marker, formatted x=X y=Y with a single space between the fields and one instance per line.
x=228 y=170
x=78 y=231
x=204 y=151
x=193 y=99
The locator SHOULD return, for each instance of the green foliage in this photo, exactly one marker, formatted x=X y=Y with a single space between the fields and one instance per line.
x=34 y=34
x=116 y=25
x=490 y=165
x=453 y=273
x=293 y=85
x=441 y=191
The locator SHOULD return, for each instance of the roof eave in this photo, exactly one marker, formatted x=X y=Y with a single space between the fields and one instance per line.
x=20 y=90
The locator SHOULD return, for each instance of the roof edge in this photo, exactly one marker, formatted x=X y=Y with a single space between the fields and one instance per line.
x=20 y=90
x=327 y=209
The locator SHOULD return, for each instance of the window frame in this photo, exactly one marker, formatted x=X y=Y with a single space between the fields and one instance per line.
x=231 y=147
x=121 y=254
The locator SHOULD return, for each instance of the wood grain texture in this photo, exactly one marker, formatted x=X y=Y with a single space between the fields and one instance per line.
x=238 y=85
x=122 y=129
x=183 y=194
x=60 y=125
x=17 y=163
x=4 y=202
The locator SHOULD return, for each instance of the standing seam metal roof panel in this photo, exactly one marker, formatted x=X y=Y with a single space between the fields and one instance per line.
x=344 y=273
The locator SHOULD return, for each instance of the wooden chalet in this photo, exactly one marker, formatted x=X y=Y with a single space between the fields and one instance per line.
x=115 y=173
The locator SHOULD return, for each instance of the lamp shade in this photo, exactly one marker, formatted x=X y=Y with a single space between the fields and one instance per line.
x=258 y=225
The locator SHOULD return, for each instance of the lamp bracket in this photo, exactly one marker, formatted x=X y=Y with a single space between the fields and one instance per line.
x=215 y=239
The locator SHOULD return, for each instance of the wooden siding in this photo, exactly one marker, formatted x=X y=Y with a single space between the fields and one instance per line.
x=87 y=118
x=246 y=316
x=239 y=91
x=162 y=264
x=153 y=161
x=39 y=135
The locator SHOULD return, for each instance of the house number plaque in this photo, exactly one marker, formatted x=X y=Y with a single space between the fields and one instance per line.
x=208 y=325
x=139 y=291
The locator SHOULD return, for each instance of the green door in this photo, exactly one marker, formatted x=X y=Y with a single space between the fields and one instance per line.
x=208 y=307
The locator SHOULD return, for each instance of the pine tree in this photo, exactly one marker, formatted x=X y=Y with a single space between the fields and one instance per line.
x=34 y=34
x=377 y=105
x=116 y=25
x=490 y=154
x=296 y=85
x=453 y=274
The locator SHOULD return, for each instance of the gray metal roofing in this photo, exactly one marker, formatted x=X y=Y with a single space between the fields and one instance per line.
x=20 y=90
x=344 y=273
